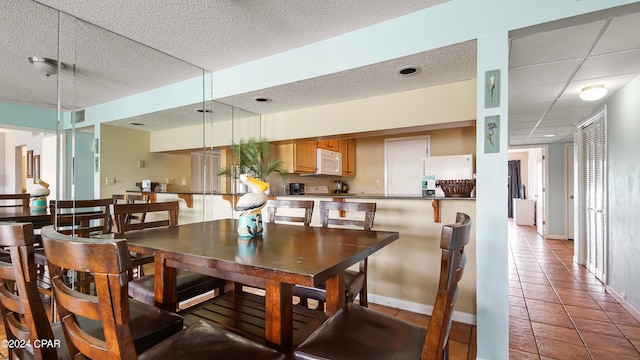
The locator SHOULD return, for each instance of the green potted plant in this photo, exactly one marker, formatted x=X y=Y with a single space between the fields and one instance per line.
x=254 y=157
x=260 y=161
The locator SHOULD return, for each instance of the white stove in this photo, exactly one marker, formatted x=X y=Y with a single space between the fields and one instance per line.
x=310 y=190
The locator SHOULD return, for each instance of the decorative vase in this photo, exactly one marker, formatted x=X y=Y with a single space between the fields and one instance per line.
x=249 y=225
x=240 y=187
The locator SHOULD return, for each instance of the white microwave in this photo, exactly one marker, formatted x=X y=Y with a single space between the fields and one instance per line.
x=328 y=162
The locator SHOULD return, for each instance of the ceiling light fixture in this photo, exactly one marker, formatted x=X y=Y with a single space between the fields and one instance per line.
x=45 y=65
x=262 y=99
x=408 y=70
x=208 y=111
x=549 y=135
x=593 y=92
x=136 y=124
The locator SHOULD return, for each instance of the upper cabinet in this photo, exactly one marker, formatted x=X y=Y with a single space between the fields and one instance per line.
x=299 y=157
x=348 y=149
x=333 y=145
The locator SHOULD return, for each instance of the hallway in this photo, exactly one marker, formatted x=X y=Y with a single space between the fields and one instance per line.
x=559 y=310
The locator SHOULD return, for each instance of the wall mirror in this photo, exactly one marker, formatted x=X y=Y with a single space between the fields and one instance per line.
x=115 y=113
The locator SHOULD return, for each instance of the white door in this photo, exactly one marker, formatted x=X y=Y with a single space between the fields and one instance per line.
x=403 y=165
x=593 y=179
x=569 y=221
x=537 y=189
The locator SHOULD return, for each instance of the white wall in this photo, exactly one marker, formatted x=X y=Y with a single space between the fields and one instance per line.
x=623 y=127
x=16 y=138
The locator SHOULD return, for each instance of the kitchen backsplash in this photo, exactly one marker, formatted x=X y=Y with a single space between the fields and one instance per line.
x=280 y=186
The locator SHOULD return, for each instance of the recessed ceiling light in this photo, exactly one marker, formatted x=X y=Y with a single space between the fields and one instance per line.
x=208 y=111
x=408 y=70
x=262 y=99
x=136 y=124
x=593 y=92
x=549 y=135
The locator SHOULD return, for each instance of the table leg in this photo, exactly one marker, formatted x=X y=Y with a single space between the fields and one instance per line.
x=164 y=285
x=335 y=293
x=278 y=313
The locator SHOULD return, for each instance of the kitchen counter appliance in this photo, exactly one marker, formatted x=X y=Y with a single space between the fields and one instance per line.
x=340 y=187
x=328 y=162
x=296 y=188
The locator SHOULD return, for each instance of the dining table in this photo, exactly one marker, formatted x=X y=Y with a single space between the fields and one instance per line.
x=284 y=256
x=21 y=214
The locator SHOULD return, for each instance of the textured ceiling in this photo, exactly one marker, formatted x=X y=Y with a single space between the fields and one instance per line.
x=219 y=34
x=549 y=63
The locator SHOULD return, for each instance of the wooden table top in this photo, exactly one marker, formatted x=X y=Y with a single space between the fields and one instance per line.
x=286 y=253
x=20 y=214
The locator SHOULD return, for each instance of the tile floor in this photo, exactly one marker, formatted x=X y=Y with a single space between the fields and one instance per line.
x=559 y=310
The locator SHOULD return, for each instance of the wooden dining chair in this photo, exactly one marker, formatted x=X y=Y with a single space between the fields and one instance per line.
x=23 y=313
x=83 y=218
x=355 y=332
x=130 y=199
x=189 y=284
x=274 y=216
x=355 y=282
x=109 y=262
x=15 y=200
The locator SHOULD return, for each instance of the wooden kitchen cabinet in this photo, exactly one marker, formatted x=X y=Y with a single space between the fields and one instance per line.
x=348 y=150
x=333 y=145
x=298 y=157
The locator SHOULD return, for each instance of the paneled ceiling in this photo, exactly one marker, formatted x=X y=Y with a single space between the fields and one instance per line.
x=549 y=63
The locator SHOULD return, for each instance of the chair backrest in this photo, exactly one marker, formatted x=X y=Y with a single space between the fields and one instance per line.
x=83 y=218
x=452 y=242
x=369 y=210
x=274 y=205
x=23 y=313
x=122 y=211
x=130 y=199
x=15 y=200
x=109 y=262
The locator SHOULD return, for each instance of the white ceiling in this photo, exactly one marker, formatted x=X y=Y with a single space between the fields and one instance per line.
x=548 y=63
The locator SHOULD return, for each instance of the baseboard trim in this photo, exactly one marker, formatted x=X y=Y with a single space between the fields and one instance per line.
x=625 y=304
x=556 y=237
x=419 y=308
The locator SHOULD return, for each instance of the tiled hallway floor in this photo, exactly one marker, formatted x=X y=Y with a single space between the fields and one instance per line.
x=559 y=310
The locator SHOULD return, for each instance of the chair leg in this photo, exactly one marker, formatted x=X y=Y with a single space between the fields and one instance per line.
x=237 y=288
x=364 y=301
x=445 y=351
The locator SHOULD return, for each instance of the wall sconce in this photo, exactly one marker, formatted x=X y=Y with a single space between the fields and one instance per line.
x=592 y=93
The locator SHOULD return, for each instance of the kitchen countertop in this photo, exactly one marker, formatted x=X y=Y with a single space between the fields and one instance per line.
x=380 y=196
x=330 y=195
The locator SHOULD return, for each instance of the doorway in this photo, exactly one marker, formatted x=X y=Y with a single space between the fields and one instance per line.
x=533 y=176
